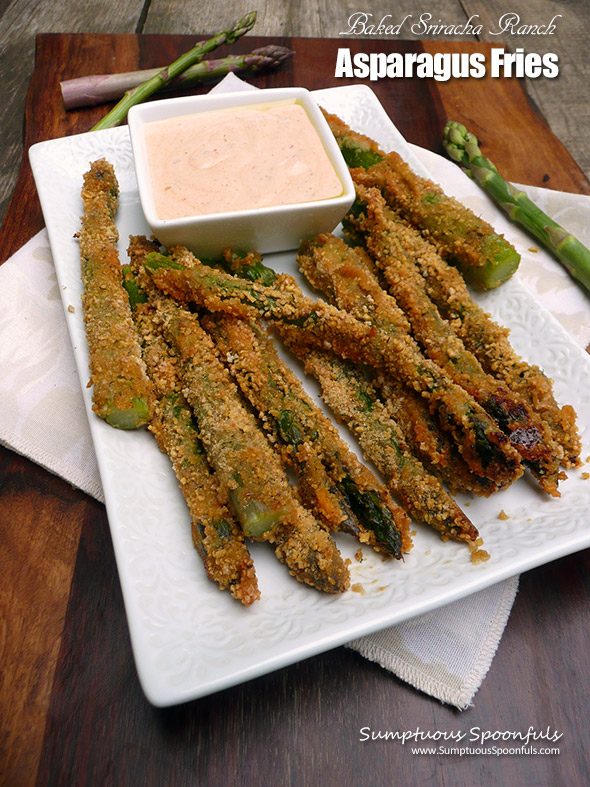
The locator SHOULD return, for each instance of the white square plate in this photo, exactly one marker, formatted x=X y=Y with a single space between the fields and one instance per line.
x=189 y=639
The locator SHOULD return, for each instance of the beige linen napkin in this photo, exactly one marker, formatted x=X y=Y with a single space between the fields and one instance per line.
x=445 y=653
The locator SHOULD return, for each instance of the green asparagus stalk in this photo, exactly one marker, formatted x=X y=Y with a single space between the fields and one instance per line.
x=102 y=88
x=245 y=265
x=464 y=239
x=428 y=442
x=216 y=534
x=487 y=340
x=135 y=96
x=377 y=223
x=245 y=464
x=462 y=146
x=352 y=490
x=344 y=275
x=261 y=384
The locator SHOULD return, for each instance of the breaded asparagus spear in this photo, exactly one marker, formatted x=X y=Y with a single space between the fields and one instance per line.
x=246 y=265
x=215 y=532
x=487 y=340
x=316 y=489
x=427 y=441
x=121 y=390
x=216 y=535
x=353 y=399
x=485 y=448
x=248 y=470
x=346 y=277
x=371 y=220
x=308 y=439
x=463 y=238
x=354 y=489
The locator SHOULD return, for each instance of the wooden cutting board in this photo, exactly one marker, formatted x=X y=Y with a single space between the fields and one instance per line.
x=511 y=132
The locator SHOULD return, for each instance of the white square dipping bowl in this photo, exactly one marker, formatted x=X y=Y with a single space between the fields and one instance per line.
x=265 y=230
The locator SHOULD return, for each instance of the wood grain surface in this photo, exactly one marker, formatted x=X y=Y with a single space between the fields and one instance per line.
x=564 y=102
x=71 y=709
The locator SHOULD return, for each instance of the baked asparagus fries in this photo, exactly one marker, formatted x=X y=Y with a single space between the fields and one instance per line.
x=398 y=244
x=333 y=483
x=121 y=392
x=424 y=379
x=463 y=238
x=216 y=534
x=483 y=445
x=247 y=468
x=331 y=265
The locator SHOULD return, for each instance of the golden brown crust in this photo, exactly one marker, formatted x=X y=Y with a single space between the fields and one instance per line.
x=421 y=494
x=488 y=341
x=381 y=229
x=216 y=535
x=313 y=443
x=247 y=468
x=407 y=192
x=121 y=390
x=326 y=326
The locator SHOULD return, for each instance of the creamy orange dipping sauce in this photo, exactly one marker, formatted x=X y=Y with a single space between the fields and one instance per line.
x=241 y=159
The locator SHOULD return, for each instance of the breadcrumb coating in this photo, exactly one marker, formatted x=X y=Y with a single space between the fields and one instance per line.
x=309 y=440
x=216 y=535
x=377 y=224
x=247 y=468
x=482 y=444
x=432 y=445
x=121 y=390
x=354 y=401
x=487 y=340
x=460 y=235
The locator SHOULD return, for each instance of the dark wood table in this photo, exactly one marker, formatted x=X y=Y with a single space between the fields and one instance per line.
x=71 y=708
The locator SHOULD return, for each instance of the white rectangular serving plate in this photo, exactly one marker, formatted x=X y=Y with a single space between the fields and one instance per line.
x=189 y=639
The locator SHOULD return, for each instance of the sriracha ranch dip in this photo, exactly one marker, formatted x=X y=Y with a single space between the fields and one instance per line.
x=239 y=159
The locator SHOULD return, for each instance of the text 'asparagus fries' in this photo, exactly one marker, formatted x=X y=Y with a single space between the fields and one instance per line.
x=427 y=383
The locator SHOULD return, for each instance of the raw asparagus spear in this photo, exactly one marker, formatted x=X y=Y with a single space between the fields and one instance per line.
x=354 y=401
x=135 y=96
x=463 y=238
x=375 y=222
x=121 y=390
x=462 y=146
x=249 y=472
x=308 y=438
x=216 y=535
x=482 y=444
x=101 y=88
